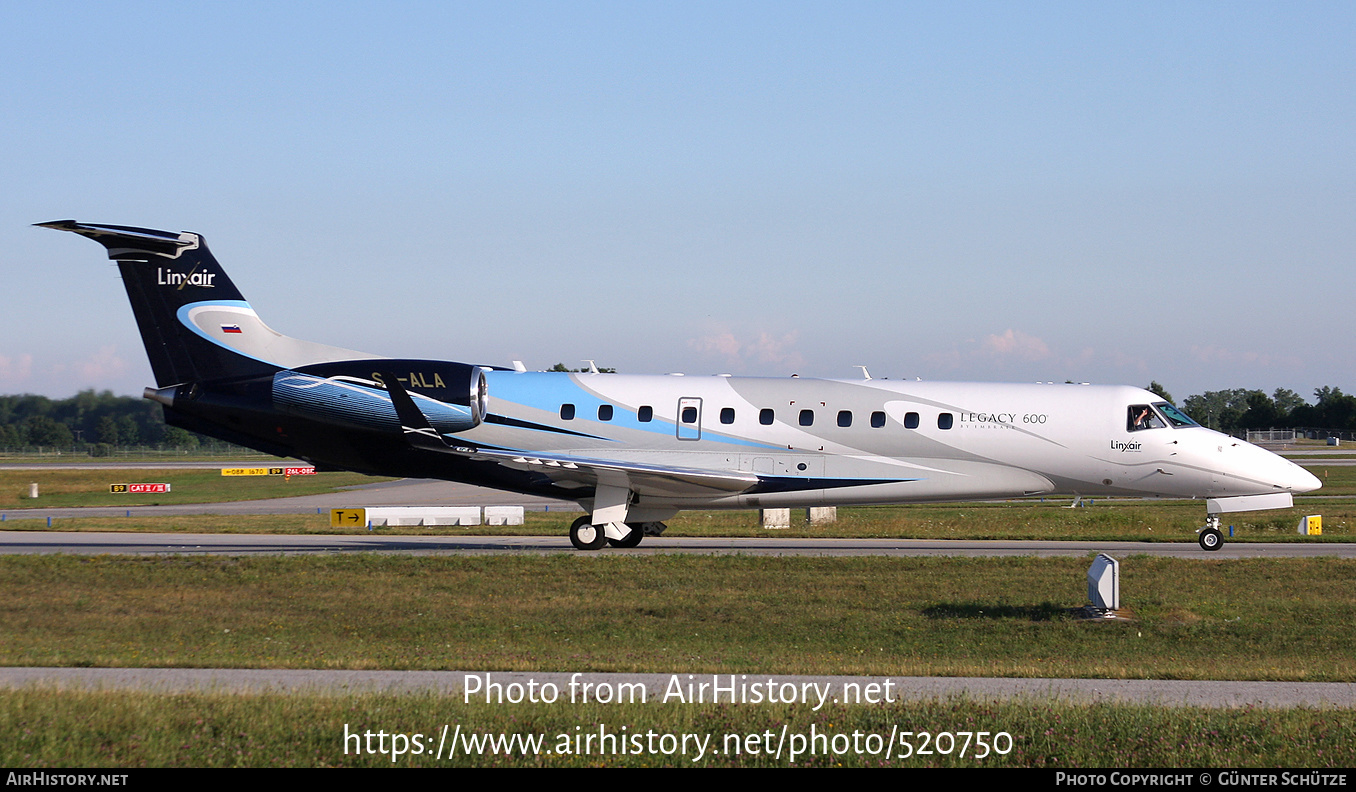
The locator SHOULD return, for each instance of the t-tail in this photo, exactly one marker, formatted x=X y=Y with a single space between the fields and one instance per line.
x=193 y=320
x=221 y=371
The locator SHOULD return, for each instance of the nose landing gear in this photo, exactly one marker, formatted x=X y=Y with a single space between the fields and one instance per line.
x=1210 y=537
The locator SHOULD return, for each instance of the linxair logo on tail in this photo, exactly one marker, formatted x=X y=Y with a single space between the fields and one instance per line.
x=168 y=277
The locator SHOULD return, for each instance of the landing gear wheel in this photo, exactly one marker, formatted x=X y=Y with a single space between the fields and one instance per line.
x=1211 y=539
x=584 y=535
x=632 y=539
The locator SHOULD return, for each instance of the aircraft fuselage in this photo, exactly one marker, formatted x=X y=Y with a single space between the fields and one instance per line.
x=879 y=441
x=634 y=450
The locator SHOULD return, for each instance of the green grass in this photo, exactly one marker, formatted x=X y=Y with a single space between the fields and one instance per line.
x=89 y=487
x=1337 y=479
x=187 y=523
x=1245 y=619
x=1252 y=619
x=125 y=455
x=103 y=729
x=1240 y=619
x=1148 y=521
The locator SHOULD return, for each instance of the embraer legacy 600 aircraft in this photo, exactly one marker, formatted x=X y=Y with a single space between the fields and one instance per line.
x=635 y=450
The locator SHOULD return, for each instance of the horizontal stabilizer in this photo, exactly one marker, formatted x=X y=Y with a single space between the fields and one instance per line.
x=128 y=241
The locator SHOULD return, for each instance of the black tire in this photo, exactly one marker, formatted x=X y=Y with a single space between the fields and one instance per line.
x=1211 y=539
x=632 y=539
x=584 y=535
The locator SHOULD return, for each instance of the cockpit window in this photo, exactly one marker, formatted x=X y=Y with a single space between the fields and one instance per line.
x=1141 y=417
x=1175 y=416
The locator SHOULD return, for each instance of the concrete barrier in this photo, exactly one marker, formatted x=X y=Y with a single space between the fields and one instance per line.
x=823 y=515
x=775 y=518
x=503 y=515
x=423 y=515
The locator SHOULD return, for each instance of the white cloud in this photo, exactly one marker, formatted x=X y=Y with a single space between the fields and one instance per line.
x=104 y=365
x=764 y=348
x=1214 y=354
x=15 y=370
x=1014 y=343
x=101 y=370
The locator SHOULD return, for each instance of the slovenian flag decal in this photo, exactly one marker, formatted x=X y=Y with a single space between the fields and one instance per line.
x=230 y=328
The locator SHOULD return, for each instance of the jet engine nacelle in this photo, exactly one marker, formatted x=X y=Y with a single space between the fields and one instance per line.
x=352 y=393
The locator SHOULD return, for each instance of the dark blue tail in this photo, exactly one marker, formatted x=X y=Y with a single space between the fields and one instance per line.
x=166 y=274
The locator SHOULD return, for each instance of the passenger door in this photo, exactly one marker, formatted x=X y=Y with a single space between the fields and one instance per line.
x=689 y=418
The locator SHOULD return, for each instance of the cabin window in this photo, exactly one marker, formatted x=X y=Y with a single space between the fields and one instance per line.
x=727 y=415
x=765 y=416
x=911 y=420
x=604 y=412
x=877 y=419
x=567 y=412
x=645 y=414
x=845 y=418
x=807 y=417
x=944 y=420
x=689 y=415
x=1140 y=417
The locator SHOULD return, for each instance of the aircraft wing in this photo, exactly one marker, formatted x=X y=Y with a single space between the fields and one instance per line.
x=638 y=477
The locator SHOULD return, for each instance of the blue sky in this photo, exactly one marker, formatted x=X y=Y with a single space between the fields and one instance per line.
x=1099 y=192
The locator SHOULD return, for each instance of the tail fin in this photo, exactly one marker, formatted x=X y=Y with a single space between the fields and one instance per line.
x=194 y=322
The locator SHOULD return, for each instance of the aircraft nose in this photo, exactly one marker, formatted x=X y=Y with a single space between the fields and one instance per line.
x=1302 y=480
x=1259 y=466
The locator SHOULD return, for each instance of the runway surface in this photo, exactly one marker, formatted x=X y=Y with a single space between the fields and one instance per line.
x=94 y=543
x=837 y=689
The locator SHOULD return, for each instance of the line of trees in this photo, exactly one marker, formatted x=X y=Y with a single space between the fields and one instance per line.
x=92 y=422
x=1238 y=410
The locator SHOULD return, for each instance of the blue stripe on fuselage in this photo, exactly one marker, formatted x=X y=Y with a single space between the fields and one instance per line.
x=548 y=390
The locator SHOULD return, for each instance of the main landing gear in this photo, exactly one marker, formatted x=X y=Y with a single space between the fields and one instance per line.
x=631 y=539
x=584 y=535
x=1211 y=538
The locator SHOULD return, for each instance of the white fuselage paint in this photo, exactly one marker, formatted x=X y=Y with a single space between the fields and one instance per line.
x=1004 y=440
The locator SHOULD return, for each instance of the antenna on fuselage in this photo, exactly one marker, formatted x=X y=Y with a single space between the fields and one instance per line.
x=593 y=367
x=866 y=375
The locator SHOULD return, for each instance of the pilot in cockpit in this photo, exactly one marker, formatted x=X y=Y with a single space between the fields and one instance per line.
x=1142 y=416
